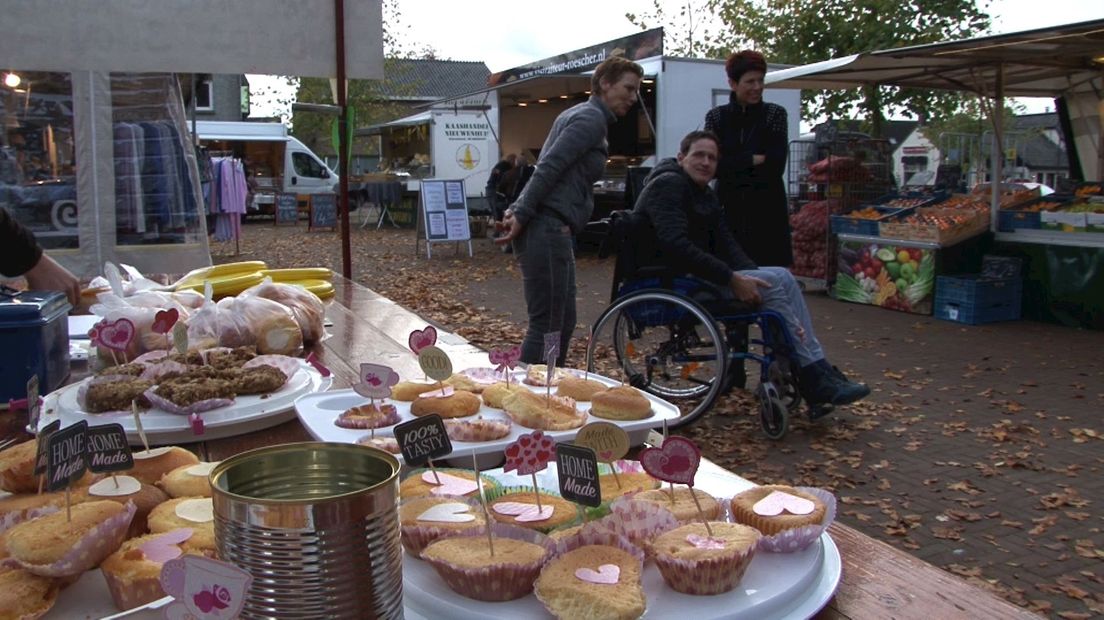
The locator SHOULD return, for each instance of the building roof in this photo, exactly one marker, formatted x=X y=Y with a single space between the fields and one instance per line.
x=424 y=79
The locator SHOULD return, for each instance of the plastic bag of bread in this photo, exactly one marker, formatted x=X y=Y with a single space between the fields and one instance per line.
x=305 y=306
x=203 y=326
x=269 y=324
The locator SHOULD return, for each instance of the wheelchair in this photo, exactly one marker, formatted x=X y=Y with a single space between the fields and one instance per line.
x=677 y=337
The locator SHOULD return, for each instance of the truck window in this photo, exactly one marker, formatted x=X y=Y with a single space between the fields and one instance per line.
x=306 y=166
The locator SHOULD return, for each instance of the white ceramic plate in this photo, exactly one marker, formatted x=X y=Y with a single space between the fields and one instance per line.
x=776 y=585
x=317 y=412
x=246 y=414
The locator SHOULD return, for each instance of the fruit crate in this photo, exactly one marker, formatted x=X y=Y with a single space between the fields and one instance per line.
x=974 y=299
x=847 y=225
x=976 y=222
x=1027 y=215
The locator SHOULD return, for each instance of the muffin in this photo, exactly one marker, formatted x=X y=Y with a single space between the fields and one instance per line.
x=369 y=416
x=458 y=404
x=519 y=508
x=579 y=389
x=188 y=480
x=17 y=468
x=630 y=479
x=24 y=595
x=465 y=563
x=133 y=572
x=421 y=483
x=466 y=383
x=195 y=513
x=683 y=507
x=620 y=403
x=542 y=412
x=380 y=442
x=743 y=510
x=407 y=391
x=150 y=466
x=53 y=546
x=477 y=429
x=597 y=582
x=494 y=395
x=26 y=506
x=423 y=520
x=694 y=562
x=123 y=489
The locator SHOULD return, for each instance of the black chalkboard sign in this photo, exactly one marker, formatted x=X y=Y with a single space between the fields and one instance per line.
x=578 y=472
x=40 y=451
x=287 y=209
x=108 y=449
x=66 y=456
x=423 y=439
x=323 y=211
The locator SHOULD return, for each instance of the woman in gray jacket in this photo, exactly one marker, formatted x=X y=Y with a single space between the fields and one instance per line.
x=557 y=202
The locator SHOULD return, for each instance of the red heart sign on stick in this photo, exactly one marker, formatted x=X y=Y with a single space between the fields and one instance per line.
x=676 y=461
x=164 y=320
x=422 y=338
x=116 y=336
x=530 y=453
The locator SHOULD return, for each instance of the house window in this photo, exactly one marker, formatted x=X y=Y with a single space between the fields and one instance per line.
x=205 y=99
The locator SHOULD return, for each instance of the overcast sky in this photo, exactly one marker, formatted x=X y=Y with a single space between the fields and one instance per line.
x=511 y=33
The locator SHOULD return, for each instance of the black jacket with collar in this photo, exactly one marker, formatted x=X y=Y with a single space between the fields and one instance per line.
x=681 y=225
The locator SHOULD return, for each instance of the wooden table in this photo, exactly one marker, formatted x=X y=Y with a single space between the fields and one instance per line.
x=878 y=582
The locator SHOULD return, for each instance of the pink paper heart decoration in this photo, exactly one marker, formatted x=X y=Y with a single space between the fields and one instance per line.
x=773 y=505
x=422 y=338
x=444 y=392
x=450 y=485
x=524 y=512
x=505 y=358
x=676 y=461
x=701 y=542
x=529 y=453
x=450 y=512
x=607 y=574
x=164 y=547
x=164 y=320
x=115 y=335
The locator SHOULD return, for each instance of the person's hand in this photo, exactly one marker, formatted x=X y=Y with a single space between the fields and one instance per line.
x=48 y=275
x=757 y=160
x=746 y=288
x=512 y=227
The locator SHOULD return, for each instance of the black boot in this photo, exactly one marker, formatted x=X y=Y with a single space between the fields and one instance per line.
x=816 y=384
x=847 y=391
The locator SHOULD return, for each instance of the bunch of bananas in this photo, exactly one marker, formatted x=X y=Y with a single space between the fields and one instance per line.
x=233 y=278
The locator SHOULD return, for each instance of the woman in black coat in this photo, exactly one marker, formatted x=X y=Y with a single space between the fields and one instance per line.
x=753 y=159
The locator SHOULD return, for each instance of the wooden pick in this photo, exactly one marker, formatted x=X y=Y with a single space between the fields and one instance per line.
x=138 y=424
x=483 y=502
x=701 y=513
x=442 y=387
x=615 y=476
x=68 y=506
x=536 y=491
x=434 y=470
x=672 y=492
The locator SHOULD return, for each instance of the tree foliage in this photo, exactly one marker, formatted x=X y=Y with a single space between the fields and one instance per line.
x=799 y=32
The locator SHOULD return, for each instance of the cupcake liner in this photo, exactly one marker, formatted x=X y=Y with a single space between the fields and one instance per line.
x=284 y=363
x=529 y=490
x=415 y=538
x=476 y=429
x=798 y=538
x=200 y=406
x=16 y=517
x=706 y=576
x=638 y=521
x=92 y=548
x=597 y=533
x=498 y=582
x=388 y=416
x=128 y=594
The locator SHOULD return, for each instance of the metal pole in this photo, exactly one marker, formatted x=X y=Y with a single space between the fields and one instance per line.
x=998 y=151
x=342 y=139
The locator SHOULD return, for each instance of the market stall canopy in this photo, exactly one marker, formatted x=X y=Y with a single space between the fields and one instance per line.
x=407 y=121
x=282 y=37
x=1048 y=62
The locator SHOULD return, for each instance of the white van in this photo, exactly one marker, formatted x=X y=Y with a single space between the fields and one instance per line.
x=274 y=161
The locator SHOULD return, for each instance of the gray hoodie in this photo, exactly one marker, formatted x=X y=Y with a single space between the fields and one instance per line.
x=572 y=159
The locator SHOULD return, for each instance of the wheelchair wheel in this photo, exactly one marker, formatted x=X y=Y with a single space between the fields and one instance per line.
x=664 y=344
x=782 y=372
x=773 y=415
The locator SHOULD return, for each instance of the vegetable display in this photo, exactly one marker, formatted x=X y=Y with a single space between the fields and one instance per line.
x=809 y=228
x=898 y=278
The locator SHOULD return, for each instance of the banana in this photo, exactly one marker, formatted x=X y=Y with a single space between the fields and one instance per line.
x=324 y=289
x=226 y=285
x=298 y=273
x=198 y=276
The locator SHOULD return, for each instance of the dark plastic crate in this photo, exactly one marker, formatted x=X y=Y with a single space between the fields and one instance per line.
x=1013 y=220
x=974 y=300
x=997 y=267
x=846 y=225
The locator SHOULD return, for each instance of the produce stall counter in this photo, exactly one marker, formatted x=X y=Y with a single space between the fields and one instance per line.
x=878 y=581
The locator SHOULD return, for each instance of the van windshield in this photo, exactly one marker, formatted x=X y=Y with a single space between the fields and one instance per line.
x=307 y=166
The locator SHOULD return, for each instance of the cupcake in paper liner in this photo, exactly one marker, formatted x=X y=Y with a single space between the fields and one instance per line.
x=786 y=533
x=638 y=521
x=694 y=561
x=465 y=562
x=630 y=479
x=95 y=532
x=594 y=581
x=517 y=505
x=594 y=533
x=455 y=482
x=422 y=520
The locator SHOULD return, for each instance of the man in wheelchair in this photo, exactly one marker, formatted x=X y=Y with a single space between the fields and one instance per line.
x=679 y=224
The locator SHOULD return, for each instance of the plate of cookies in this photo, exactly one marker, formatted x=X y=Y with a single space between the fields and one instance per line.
x=483 y=413
x=222 y=393
x=645 y=558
